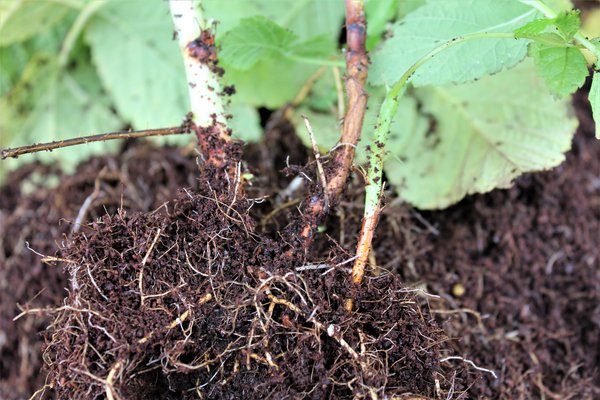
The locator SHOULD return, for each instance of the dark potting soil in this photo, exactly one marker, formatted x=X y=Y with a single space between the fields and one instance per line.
x=517 y=274
x=141 y=178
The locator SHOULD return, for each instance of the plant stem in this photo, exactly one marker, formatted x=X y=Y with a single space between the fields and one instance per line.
x=357 y=63
x=203 y=85
x=197 y=44
x=388 y=109
x=19 y=151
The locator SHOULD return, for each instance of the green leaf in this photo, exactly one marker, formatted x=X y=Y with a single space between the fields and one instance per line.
x=534 y=27
x=548 y=38
x=594 y=97
x=245 y=123
x=482 y=135
x=52 y=104
x=269 y=83
x=440 y=21
x=378 y=13
x=138 y=63
x=12 y=62
x=259 y=38
x=316 y=47
x=254 y=39
x=14 y=57
x=568 y=23
x=564 y=69
x=408 y=6
x=273 y=82
x=307 y=18
x=21 y=19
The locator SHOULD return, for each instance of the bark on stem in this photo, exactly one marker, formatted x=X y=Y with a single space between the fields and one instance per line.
x=34 y=148
x=357 y=63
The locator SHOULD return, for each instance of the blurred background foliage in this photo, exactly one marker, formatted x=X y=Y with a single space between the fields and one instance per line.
x=78 y=67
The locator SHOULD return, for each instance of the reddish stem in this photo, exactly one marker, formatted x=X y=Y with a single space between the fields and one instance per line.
x=357 y=63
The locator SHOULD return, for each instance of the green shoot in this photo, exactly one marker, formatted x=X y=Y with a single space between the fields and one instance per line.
x=560 y=64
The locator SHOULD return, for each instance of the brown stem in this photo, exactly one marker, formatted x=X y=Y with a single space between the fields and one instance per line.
x=19 y=151
x=357 y=63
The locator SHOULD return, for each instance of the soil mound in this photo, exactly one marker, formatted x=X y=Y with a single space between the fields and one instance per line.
x=34 y=218
x=188 y=302
x=516 y=272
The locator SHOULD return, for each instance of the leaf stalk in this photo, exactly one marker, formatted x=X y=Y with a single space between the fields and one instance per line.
x=389 y=107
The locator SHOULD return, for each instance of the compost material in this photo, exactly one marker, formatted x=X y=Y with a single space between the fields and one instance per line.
x=172 y=293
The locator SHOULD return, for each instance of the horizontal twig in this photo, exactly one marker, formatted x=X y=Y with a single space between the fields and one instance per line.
x=34 y=148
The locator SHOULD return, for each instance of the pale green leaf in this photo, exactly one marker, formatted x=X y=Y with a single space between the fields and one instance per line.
x=269 y=83
x=51 y=104
x=440 y=21
x=559 y=5
x=485 y=134
x=14 y=58
x=317 y=47
x=309 y=18
x=254 y=39
x=12 y=62
x=378 y=14
x=534 y=27
x=139 y=64
x=408 y=6
x=564 y=69
x=306 y=18
x=594 y=97
x=548 y=38
x=245 y=123
x=21 y=19
x=568 y=23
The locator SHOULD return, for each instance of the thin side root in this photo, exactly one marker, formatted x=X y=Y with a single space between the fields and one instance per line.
x=144 y=260
x=331 y=329
x=110 y=391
